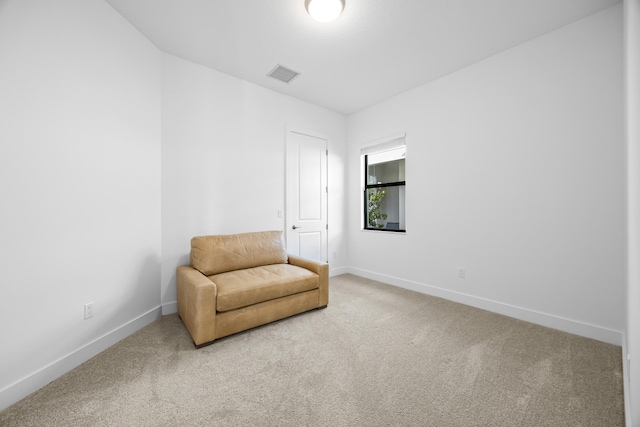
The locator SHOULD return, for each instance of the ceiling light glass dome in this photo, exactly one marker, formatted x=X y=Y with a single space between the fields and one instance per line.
x=324 y=10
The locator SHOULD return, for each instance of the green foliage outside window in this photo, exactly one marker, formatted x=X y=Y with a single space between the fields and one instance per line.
x=376 y=218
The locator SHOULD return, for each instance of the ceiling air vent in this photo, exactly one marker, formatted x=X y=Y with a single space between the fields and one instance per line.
x=283 y=74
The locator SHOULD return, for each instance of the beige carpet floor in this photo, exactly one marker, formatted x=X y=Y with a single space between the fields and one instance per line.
x=377 y=356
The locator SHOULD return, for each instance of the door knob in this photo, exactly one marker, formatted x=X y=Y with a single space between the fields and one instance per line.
x=295 y=226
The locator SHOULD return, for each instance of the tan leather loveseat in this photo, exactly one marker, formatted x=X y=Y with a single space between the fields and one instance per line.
x=236 y=282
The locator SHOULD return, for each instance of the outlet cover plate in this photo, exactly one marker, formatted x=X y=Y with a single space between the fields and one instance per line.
x=88 y=310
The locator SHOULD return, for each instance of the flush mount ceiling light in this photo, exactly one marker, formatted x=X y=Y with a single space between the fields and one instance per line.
x=324 y=10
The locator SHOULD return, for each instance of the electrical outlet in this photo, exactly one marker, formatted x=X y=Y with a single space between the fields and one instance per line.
x=461 y=273
x=88 y=310
x=280 y=213
x=335 y=255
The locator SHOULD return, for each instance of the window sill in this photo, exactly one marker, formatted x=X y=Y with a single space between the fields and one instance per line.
x=371 y=230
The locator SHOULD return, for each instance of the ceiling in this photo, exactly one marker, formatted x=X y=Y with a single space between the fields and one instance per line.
x=373 y=51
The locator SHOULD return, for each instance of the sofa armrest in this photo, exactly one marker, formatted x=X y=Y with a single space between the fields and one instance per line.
x=321 y=269
x=197 y=304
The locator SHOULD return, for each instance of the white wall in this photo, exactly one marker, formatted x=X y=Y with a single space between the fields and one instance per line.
x=515 y=172
x=79 y=185
x=223 y=170
x=632 y=332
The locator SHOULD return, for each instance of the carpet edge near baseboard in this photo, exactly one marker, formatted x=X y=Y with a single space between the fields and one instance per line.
x=22 y=388
x=571 y=326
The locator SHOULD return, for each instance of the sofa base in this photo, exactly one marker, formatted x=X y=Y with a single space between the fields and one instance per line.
x=231 y=322
x=203 y=344
x=212 y=341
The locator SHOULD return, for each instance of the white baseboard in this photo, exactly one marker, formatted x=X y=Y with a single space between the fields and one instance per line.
x=337 y=271
x=169 y=308
x=35 y=381
x=544 y=319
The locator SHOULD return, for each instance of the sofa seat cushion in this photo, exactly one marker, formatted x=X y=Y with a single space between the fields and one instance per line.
x=241 y=288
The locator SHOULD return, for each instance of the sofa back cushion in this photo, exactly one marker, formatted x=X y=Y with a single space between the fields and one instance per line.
x=219 y=254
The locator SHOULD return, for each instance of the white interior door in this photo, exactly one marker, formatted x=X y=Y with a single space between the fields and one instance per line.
x=306 y=195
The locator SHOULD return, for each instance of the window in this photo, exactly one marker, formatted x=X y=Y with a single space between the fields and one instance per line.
x=384 y=189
